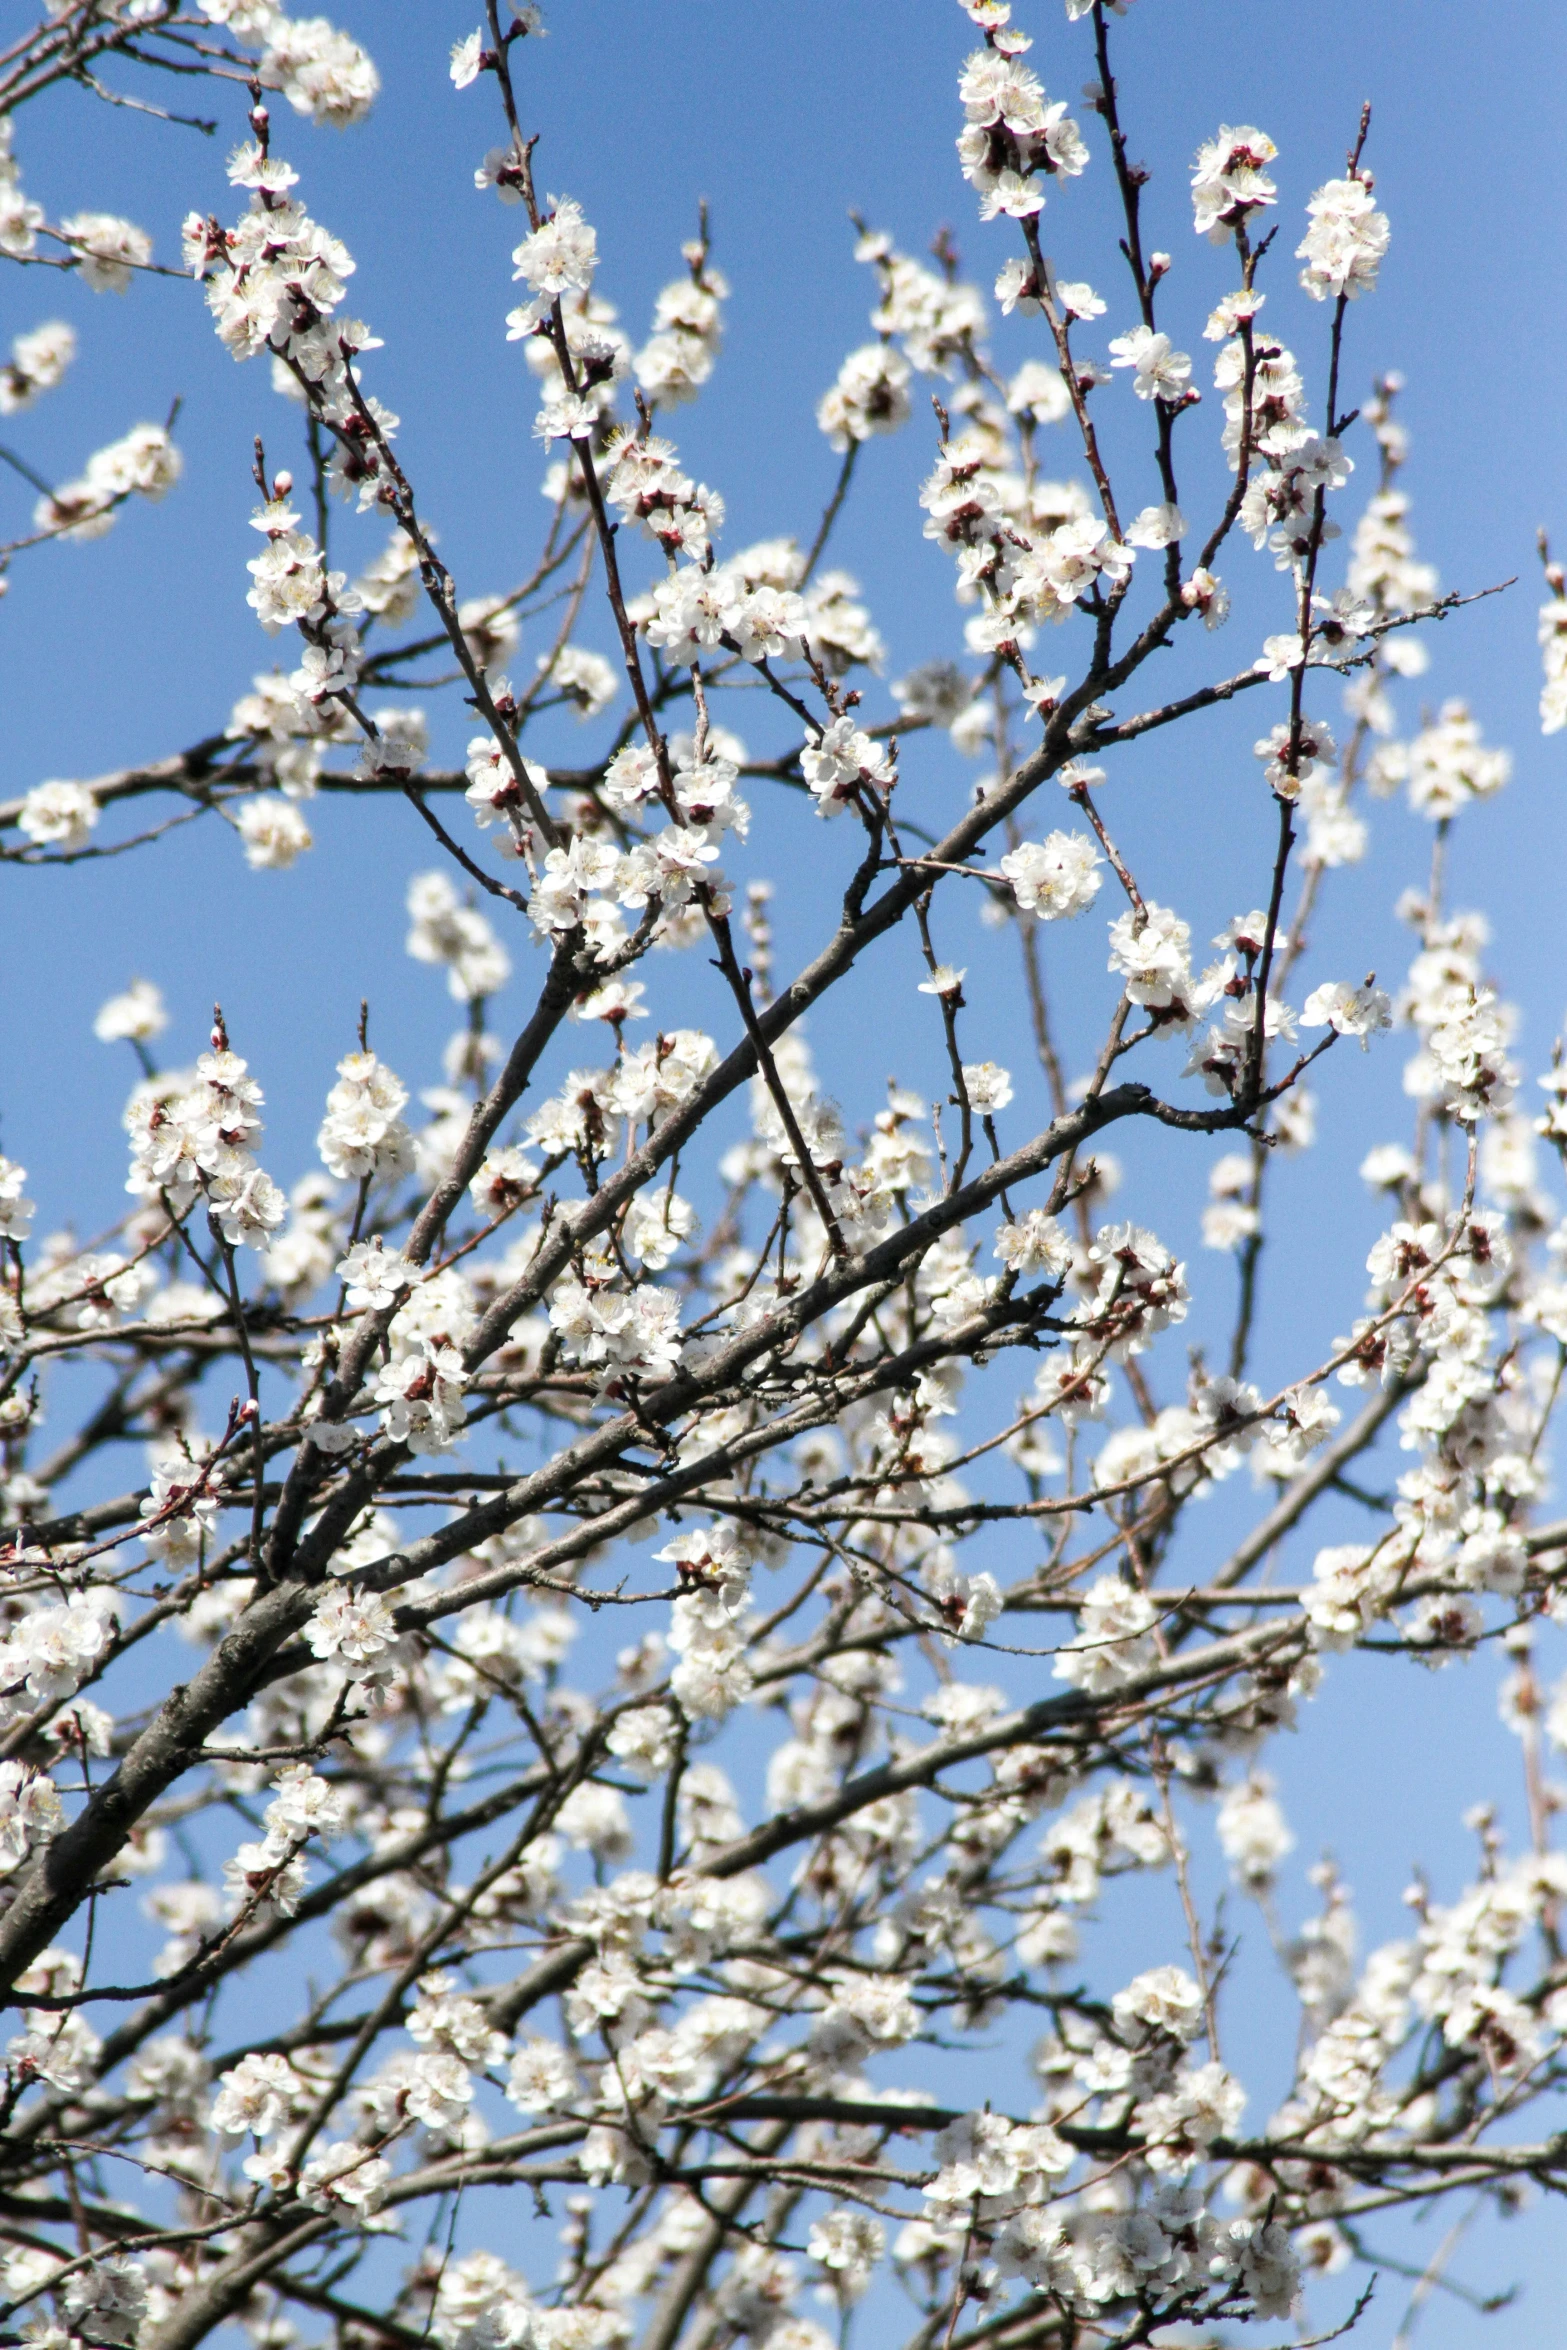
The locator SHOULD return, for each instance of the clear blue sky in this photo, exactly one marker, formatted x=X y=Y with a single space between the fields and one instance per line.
x=785 y=118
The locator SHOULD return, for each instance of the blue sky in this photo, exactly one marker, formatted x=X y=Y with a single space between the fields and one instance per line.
x=787 y=119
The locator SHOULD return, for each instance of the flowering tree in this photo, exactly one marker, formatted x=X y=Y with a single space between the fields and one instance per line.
x=813 y=1454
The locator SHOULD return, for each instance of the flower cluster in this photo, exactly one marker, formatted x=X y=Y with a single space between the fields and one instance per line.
x=1014 y=138
x=1553 y=656
x=421 y=1385
x=194 y=1138
x=455 y=936
x=143 y=463
x=363 y=1138
x=1025 y=568
x=1056 y=877
x=20 y=217
x=1346 y=242
x=678 y=358
x=621 y=1334
x=323 y=74
x=37 y=364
